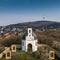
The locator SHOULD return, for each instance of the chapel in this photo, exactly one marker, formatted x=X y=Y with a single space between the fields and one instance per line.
x=29 y=41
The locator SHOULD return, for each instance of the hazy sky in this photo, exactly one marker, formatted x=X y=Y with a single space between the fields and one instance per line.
x=16 y=11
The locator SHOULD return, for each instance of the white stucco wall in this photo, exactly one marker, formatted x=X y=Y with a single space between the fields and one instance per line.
x=32 y=42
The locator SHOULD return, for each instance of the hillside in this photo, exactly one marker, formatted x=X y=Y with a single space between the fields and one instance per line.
x=36 y=24
x=44 y=37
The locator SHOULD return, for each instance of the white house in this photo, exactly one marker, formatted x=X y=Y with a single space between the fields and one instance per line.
x=29 y=40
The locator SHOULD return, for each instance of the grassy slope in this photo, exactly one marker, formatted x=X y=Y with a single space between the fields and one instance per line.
x=19 y=55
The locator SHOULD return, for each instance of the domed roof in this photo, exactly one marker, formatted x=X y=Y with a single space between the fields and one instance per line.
x=26 y=34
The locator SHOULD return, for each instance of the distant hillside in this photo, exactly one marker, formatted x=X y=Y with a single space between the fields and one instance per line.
x=37 y=24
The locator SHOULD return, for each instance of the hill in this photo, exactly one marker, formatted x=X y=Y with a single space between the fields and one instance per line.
x=36 y=24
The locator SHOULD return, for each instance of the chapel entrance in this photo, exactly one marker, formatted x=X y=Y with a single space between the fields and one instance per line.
x=29 y=47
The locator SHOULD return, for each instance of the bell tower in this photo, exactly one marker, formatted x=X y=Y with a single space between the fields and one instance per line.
x=29 y=31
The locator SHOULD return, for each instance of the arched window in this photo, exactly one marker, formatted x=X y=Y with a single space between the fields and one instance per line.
x=14 y=48
x=8 y=54
x=29 y=31
x=51 y=54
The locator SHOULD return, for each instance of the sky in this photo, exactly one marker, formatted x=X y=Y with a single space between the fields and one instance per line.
x=17 y=11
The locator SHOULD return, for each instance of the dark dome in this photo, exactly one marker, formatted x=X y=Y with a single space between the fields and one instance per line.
x=24 y=35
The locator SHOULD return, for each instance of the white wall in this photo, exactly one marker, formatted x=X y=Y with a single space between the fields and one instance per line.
x=33 y=42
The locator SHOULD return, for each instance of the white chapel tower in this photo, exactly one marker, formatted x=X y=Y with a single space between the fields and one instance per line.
x=29 y=39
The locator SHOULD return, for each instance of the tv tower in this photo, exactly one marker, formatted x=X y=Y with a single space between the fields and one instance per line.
x=43 y=18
